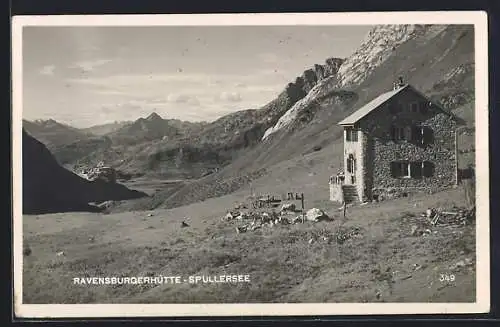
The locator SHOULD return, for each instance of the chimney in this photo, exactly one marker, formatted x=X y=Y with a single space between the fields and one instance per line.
x=400 y=83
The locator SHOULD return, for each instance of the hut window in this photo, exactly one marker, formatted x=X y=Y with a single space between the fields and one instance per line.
x=351 y=135
x=422 y=135
x=400 y=169
x=414 y=107
x=398 y=133
x=414 y=169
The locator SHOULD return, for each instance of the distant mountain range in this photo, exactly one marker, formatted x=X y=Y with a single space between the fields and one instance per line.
x=151 y=128
x=53 y=133
x=104 y=129
x=237 y=148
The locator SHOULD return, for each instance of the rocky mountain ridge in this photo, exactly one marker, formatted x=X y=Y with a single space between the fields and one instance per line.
x=103 y=129
x=53 y=133
x=377 y=47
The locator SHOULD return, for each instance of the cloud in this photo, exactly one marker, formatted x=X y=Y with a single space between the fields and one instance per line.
x=90 y=65
x=216 y=83
x=230 y=96
x=269 y=57
x=48 y=70
x=183 y=98
x=131 y=82
x=86 y=48
x=197 y=82
x=190 y=96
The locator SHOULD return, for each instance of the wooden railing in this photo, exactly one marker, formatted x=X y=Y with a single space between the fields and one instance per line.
x=337 y=179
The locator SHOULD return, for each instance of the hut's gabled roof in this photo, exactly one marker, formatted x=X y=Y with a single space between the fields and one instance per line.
x=383 y=98
x=370 y=106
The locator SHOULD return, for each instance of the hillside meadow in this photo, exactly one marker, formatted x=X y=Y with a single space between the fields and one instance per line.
x=304 y=262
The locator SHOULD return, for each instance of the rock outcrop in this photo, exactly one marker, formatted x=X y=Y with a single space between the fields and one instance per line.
x=377 y=47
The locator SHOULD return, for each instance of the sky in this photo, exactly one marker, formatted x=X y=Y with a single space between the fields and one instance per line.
x=86 y=75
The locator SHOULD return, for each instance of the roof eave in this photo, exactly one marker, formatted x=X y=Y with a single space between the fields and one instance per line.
x=346 y=123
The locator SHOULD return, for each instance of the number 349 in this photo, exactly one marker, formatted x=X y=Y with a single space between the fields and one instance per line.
x=446 y=278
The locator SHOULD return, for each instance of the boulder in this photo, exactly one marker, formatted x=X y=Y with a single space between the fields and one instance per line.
x=228 y=216
x=288 y=207
x=105 y=205
x=265 y=217
x=315 y=214
x=242 y=216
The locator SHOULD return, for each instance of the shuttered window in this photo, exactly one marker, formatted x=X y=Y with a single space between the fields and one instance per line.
x=414 y=106
x=416 y=169
x=416 y=134
x=427 y=169
x=400 y=169
x=398 y=133
x=413 y=169
x=427 y=135
x=421 y=135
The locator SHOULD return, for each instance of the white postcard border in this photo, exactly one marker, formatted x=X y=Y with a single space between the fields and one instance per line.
x=482 y=304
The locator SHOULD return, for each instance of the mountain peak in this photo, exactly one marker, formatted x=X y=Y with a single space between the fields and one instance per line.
x=154 y=116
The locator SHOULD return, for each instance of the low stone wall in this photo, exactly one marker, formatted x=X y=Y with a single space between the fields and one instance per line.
x=381 y=193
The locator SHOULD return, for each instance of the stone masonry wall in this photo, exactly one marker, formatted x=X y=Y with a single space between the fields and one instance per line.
x=382 y=150
x=367 y=167
x=360 y=169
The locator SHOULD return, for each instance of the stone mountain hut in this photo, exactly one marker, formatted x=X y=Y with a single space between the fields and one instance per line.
x=400 y=142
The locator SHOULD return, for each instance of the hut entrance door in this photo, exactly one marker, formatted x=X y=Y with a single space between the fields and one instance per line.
x=351 y=169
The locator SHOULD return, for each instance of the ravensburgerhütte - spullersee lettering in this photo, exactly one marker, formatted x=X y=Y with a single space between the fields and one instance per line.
x=139 y=280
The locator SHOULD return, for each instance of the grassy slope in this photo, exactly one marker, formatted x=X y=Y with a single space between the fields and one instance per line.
x=283 y=265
